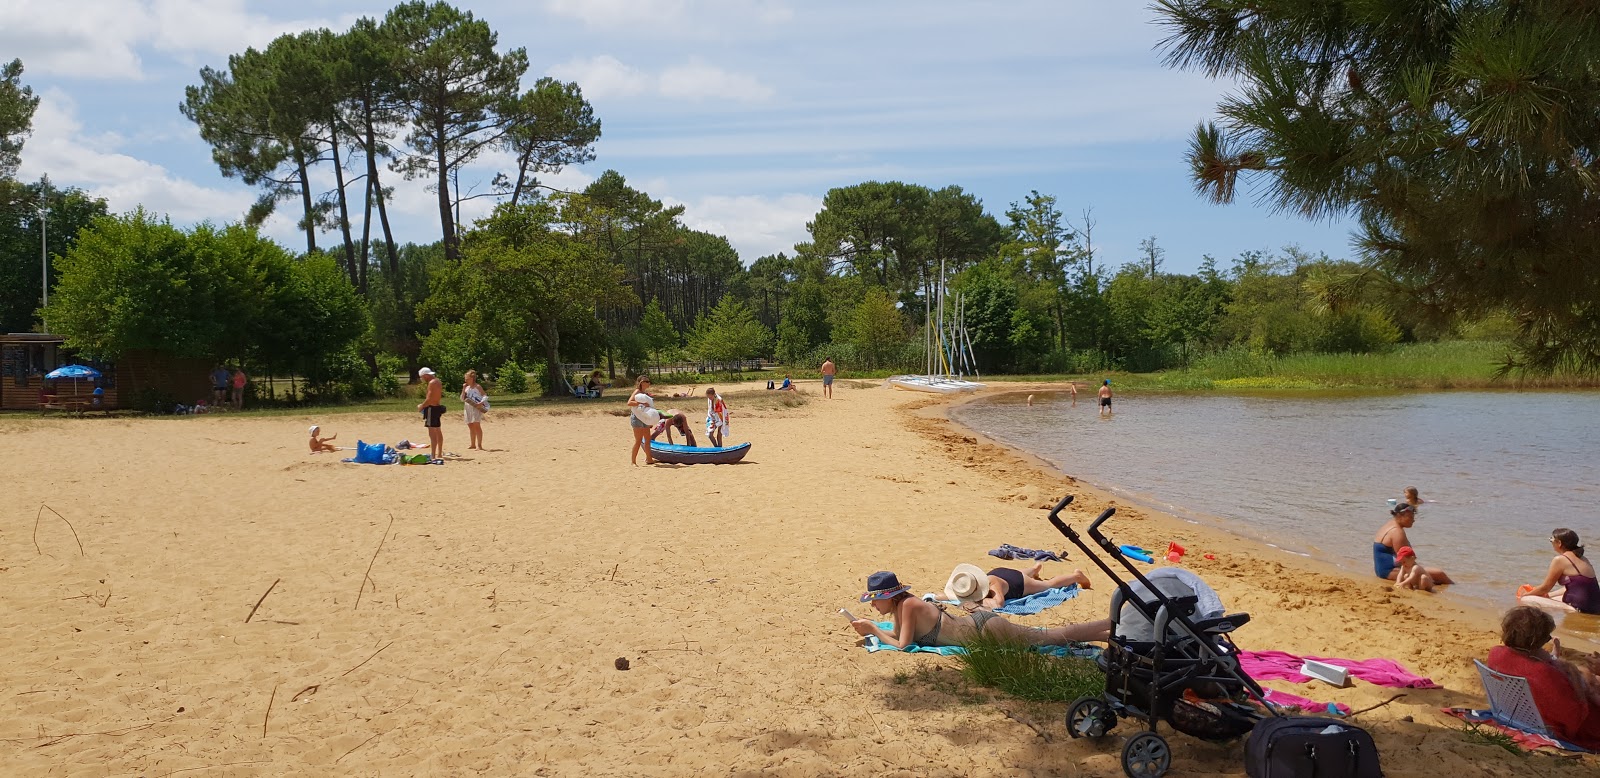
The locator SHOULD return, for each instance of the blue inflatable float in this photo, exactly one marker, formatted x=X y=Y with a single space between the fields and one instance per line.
x=691 y=455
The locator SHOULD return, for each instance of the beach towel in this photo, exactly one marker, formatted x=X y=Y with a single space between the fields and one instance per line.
x=1038 y=601
x=1277 y=665
x=1527 y=741
x=1287 y=700
x=1008 y=551
x=388 y=458
x=1078 y=650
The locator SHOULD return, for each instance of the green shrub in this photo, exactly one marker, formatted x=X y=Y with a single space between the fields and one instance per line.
x=387 y=382
x=511 y=378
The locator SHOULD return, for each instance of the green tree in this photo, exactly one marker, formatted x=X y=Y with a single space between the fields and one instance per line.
x=453 y=83
x=990 y=299
x=1461 y=135
x=21 y=224
x=527 y=269
x=548 y=128
x=729 y=334
x=657 y=331
x=876 y=329
x=17 y=103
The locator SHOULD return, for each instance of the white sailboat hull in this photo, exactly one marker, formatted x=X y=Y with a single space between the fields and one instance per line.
x=934 y=384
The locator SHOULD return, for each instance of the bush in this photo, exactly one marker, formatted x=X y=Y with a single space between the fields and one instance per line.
x=511 y=378
x=387 y=382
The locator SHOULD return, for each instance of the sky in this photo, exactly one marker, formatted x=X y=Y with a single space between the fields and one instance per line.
x=745 y=112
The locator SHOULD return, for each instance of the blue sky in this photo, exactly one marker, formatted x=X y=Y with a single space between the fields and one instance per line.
x=744 y=111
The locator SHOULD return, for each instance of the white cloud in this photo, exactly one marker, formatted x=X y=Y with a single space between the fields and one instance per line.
x=699 y=81
x=103 y=39
x=699 y=17
x=756 y=226
x=606 y=76
x=59 y=149
x=603 y=76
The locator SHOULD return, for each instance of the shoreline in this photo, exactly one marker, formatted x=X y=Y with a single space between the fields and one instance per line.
x=1472 y=613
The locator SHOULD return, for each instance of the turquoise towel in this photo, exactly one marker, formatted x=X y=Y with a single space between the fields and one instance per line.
x=1079 y=650
x=1038 y=601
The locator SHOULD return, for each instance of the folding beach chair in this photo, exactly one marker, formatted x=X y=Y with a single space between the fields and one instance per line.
x=1511 y=701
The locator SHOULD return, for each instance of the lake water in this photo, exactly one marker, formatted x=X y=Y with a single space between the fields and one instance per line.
x=1311 y=474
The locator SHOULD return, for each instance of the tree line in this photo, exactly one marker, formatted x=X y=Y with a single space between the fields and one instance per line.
x=610 y=275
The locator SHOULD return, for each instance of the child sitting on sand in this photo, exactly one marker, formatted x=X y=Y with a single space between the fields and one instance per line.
x=1411 y=575
x=321 y=444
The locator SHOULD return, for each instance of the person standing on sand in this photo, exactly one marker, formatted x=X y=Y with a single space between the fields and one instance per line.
x=240 y=380
x=828 y=372
x=476 y=402
x=642 y=416
x=432 y=409
x=219 y=386
x=1105 y=398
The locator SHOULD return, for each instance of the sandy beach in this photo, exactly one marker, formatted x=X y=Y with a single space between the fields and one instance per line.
x=506 y=585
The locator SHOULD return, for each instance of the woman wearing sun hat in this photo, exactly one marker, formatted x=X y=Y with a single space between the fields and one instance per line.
x=1004 y=584
x=927 y=624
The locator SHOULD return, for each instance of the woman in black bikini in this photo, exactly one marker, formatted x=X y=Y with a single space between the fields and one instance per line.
x=1004 y=584
x=926 y=624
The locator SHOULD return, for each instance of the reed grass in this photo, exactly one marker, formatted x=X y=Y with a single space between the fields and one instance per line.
x=1017 y=670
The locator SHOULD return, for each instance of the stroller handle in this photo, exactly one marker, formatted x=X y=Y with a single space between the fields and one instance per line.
x=1094 y=527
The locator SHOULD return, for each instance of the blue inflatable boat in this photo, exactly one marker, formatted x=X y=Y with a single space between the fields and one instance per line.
x=690 y=455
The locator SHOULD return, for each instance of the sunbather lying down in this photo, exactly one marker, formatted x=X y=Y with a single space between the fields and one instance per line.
x=927 y=624
x=975 y=588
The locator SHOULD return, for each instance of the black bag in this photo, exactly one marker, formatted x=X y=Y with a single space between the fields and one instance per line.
x=1305 y=747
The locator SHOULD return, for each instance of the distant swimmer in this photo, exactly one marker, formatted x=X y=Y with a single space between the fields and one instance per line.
x=1072 y=386
x=1030 y=401
x=1105 y=398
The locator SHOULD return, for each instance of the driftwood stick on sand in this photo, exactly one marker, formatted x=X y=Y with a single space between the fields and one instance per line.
x=1040 y=731
x=368 y=659
x=362 y=743
x=266 y=718
x=262 y=600
x=1375 y=707
x=40 y=515
x=367 y=576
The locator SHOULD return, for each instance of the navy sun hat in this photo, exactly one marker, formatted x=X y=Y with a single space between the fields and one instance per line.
x=882 y=585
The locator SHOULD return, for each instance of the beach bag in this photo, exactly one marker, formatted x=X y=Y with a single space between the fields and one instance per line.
x=369 y=453
x=1307 y=746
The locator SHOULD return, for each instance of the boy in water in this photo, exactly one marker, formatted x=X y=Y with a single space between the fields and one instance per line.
x=1105 y=398
x=320 y=444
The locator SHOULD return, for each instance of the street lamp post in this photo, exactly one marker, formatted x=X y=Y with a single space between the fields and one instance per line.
x=44 y=258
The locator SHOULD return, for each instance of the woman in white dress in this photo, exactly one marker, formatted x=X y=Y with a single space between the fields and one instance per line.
x=477 y=402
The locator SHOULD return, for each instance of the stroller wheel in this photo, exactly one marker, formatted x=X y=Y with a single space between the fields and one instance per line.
x=1090 y=717
x=1146 y=755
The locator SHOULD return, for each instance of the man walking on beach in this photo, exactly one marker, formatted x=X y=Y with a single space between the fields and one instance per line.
x=828 y=372
x=432 y=409
x=1105 y=398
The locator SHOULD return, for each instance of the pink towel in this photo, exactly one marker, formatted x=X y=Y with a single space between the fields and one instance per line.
x=1277 y=665
x=1310 y=706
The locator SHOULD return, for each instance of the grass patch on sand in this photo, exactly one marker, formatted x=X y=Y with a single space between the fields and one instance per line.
x=1019 y=671
x=1478 y=734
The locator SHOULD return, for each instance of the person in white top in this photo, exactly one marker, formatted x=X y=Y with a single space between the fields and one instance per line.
x=643 y=417
x=477 y=403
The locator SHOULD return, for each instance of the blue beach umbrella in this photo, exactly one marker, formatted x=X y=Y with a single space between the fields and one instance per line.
x=74 y=372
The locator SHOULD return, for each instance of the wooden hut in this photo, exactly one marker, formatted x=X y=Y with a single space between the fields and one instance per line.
x=26 y=357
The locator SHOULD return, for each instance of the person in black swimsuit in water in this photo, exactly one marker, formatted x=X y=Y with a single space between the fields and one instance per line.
x=925 y=624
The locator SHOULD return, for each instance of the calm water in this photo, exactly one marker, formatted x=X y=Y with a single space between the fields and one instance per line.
x=1311 y=474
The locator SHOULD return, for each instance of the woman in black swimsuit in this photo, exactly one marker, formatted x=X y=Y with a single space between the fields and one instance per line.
x=1006 y=584
x=926 y=624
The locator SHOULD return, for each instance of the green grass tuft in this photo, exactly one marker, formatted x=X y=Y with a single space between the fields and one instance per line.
x=1481 y=735
x=1021 y=672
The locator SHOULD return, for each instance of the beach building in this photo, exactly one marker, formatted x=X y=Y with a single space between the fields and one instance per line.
x=26 y=357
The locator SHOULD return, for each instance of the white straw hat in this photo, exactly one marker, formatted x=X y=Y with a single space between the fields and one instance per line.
x=314 y=429
x=968 y=584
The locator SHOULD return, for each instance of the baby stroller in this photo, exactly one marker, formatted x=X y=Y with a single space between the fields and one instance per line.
x=1164 y=663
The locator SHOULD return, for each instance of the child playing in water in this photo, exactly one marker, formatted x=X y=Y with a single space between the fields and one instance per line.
x=1411 y=575
x=321 y=444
